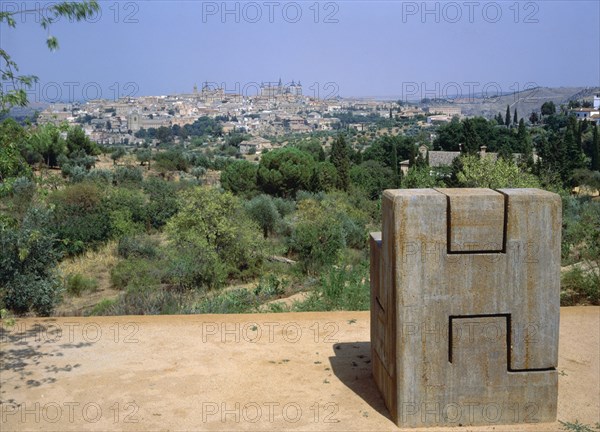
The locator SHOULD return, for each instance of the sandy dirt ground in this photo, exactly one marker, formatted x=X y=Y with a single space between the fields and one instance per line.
x=264 y=372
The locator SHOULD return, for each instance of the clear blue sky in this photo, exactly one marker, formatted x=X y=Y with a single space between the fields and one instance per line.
x=364 y=48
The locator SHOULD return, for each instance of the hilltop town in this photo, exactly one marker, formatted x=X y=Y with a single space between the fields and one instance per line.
x=276 y=109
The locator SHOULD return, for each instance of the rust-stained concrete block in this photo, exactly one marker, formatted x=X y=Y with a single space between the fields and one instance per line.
x=475 y=220
x=465 y=306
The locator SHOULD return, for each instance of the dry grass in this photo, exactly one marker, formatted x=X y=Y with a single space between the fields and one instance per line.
x=95 y=265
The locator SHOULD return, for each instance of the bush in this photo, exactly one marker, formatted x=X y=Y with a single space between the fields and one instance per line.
x=270 y=286
x=76 y=284
x=81 y=221
x=28 y=259
x=317 y=244
x=101 y=176
x=284 y=207
x=163 y=201
x=23 y=191
x=126 y=175
x=148 y=302
x=104 y=307
x=581 y=286
x=191 y=267
x=339 y=289
x=136 y=274
x=32 y=292
x=237 y=300
x=127 y=209
x=137 y=247
x=215 y=222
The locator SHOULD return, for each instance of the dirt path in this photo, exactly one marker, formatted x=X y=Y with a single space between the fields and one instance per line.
x=296 y=371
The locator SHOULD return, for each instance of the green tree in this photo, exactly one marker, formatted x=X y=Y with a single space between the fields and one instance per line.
x=240 y=178
x=144 y=157
x=284 y=172
x=324 y=177
x=340 y=158
x=595 y=150
x=450 y=136
x=524 y=142
x=421 y=177
x=78 y=142
x=395 y=164
x=373 y=178
x=117 y=154
x=533 y=118
x=216 y=222
x=47 y=142
x=507 y=116
x=12 y=163
x=471 y=142
x=312 y=146
x=515 y=118
x=263 y=211
x=575 y=158
x=318 y=236
x=486 y=173
x=74 y=11
x=548 y=108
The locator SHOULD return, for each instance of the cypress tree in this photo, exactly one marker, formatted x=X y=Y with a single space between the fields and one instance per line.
x=471 y=140
x=515 y=119
x=340 y=158
x=595 y=150
x=507 y=117
x=395 y=166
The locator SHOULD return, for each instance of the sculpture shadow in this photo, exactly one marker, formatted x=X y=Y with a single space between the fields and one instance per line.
x=352 y=365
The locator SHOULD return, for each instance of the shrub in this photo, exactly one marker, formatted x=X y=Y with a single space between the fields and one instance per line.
x=103 y=308
x=581 y=285
x=136 y=274
x=23 y=191
x=28 y=259
x=317 y=244
x=125 y=175
x=270 y=286
x=215 y=221
x=29 y=291
x=76 y=284
x=81 y=221
x=339 y=289
x=148 y=302
x=191 y=267
x=101 y=176
x=284 y=207
x=137 y=247
x=163 y=201
x=237 y=300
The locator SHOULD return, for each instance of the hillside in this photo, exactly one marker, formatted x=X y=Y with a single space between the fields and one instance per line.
x=524 y=101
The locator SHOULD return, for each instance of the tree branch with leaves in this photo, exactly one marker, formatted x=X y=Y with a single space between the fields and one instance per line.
x=16 y=95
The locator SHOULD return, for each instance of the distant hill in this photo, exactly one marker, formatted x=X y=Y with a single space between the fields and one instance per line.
x=524 y=101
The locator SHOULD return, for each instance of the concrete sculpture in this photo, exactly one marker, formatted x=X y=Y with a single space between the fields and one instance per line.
x=465 y=306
